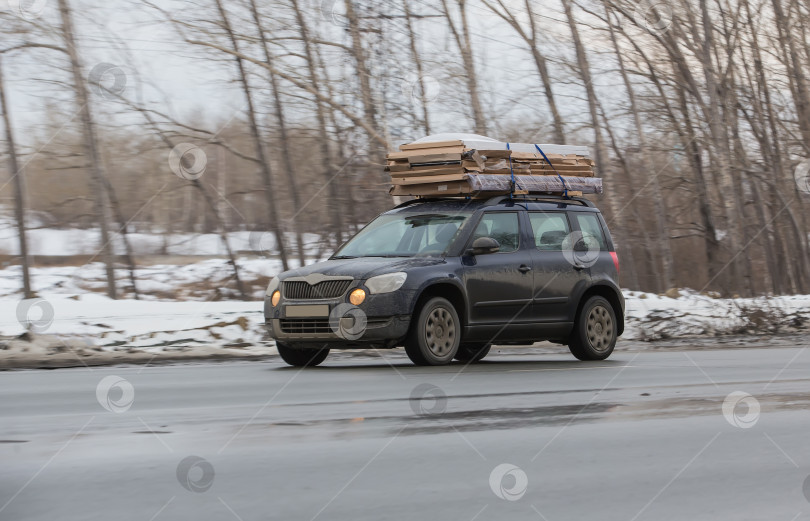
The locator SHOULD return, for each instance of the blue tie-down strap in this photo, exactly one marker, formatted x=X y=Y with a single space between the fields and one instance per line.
x=511 y=173
x=565 y=188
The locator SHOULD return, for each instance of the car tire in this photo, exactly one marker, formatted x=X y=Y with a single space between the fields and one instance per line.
x=595 y=330
x=435 y=333
x=301 y=357
x=472 y=352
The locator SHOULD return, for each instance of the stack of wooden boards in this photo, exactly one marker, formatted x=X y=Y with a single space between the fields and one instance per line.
x=485 y=167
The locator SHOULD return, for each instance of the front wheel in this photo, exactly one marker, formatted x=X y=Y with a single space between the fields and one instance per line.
x=306 y=357
x=435 y=334
x=595 y=331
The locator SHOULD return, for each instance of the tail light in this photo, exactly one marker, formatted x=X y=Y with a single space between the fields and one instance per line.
x=615 y=260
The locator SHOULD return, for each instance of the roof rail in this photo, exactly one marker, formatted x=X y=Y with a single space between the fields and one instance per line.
x=539 y=198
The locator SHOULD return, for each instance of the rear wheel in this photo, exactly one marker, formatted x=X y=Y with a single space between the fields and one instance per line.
x=595 y=331
x=435 y=334
x=470 y=352
x=304 y=357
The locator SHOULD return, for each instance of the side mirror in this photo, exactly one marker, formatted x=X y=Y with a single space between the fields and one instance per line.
x=484 y=245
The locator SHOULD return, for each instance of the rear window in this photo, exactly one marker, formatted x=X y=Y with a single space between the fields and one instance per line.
x=591 y=230
x=550 y=230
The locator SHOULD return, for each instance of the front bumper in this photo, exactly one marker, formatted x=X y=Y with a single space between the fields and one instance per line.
x=381 y=321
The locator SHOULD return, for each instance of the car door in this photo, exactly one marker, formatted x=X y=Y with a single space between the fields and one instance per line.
x=555 y=271
x=499 y=285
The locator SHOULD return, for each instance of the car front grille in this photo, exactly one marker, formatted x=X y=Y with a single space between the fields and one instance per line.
x=299 y=289
x=305 y=325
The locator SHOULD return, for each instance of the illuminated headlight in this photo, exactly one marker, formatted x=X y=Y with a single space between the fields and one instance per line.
x=272 y=286
x=386 y=283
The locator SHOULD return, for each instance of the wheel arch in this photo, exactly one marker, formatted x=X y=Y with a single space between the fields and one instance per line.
x=448 y=289
x=611 y=295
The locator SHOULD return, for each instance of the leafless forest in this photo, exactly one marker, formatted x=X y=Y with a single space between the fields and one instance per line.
x=696 y=111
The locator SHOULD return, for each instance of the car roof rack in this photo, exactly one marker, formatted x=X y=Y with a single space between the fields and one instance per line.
x=492 y=201
x=418 y=200
x=539 y=199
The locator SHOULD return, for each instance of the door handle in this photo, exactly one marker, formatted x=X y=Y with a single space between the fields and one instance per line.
x=524 y=269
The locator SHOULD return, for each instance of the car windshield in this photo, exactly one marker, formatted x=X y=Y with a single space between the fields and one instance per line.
x=404 y=235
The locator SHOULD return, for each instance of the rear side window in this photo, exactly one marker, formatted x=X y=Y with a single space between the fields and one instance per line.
x=501 y=226
x=550 y=230
x=591 y=230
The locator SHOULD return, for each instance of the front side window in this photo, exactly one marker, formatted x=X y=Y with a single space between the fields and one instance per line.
x=404 y=235
x=550 y=230
x=501 y=226
x=591 y=230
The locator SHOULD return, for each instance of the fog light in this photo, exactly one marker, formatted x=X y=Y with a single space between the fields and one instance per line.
x=275 y=298
x=357 y=296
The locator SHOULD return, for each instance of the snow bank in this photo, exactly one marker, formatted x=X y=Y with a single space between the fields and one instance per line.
x=653 y=317
x=95 y=329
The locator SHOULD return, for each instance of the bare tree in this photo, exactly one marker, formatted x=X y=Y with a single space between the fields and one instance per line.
x=530 y=37
x=18 y=178
x=284 y=140
x=461 y=34
x=264 y=165
x=99 y=190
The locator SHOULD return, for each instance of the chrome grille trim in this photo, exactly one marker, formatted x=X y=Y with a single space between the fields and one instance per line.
x=302 y=290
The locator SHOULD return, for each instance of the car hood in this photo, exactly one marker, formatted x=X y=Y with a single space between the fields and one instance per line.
x=362 y=267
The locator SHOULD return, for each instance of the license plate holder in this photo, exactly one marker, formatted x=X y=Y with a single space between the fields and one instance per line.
x=307 y=311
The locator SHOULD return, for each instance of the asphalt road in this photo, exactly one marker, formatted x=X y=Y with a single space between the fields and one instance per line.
x=642 y=436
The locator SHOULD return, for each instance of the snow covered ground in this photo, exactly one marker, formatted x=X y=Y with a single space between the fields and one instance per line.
x=189 y=305
x=72 y=315
x=50 y=241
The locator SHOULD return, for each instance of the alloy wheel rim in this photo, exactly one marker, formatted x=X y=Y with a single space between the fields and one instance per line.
x=599 y=329
x=440 y=332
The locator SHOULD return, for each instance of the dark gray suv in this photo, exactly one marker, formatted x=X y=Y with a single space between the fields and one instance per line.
x=447 y=278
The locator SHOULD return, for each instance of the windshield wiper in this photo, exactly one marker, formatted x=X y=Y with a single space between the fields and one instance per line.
x=344 y=257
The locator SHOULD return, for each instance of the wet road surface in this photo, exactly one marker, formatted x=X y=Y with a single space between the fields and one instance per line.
x=687 y=434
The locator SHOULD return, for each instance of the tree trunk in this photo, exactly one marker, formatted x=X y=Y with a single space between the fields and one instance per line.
x=18 y=178
x=264 y=165
x=417 y=62
x=286 y=160
x=462 y=37
x=327 y=161
x=662 y=241
x=100 y=202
